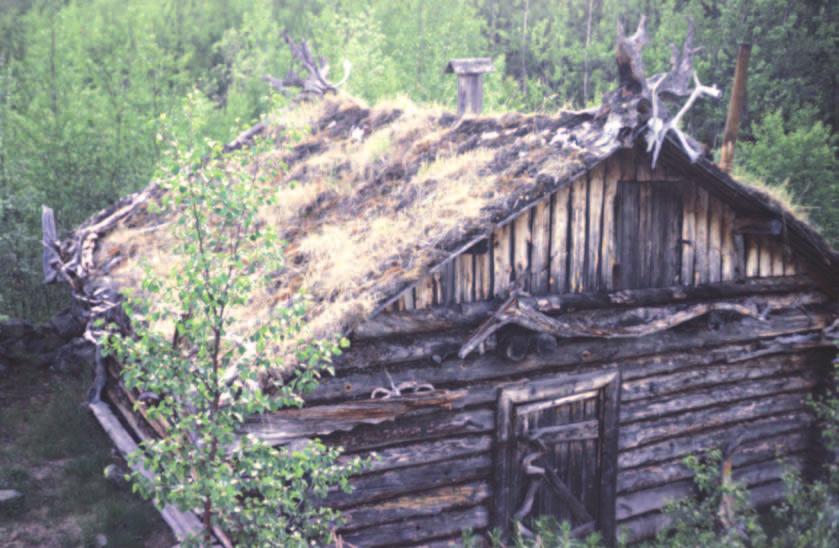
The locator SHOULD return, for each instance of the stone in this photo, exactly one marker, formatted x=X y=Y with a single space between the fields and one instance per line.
x=116 y=475
x=68 y=323
x=74 y=357
x=10 y=499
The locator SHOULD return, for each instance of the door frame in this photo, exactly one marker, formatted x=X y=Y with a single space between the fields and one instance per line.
x=557 y=387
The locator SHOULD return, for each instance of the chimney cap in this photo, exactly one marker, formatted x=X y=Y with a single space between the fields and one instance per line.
x=470 y=65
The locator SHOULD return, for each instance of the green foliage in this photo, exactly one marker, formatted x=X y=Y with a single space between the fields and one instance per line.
x=803 y=159
x=210 y=379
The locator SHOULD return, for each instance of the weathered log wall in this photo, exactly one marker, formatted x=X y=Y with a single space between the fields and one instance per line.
x=619 y=226
x=685 y=390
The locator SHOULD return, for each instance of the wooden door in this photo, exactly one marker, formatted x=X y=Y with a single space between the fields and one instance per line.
x=557 y=452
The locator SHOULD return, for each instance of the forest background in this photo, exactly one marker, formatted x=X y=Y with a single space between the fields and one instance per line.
x=83 y=85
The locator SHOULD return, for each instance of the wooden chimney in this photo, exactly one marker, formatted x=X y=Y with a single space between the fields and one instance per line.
x=470 y=82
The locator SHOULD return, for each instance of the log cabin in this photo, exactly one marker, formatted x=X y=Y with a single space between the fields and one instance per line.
x=547 y=313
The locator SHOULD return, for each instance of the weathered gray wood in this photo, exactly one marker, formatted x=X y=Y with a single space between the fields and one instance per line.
x=608 y=258
x=765 y=263
x=646 y=409
x=559 y=240
x=422 y=529
x=288 y=424
x=596 y=182
x=426 y=503
x=521 y=249
x=676 y=447
x=610 y=417
x=752 y=257
x=729 y=249
x=627 y=241
x=49 y=238
x=182 y=524
x=640 y=502
x=489 y=366
x=426 y=427
x=585 y=430
x=392 y=483
x=470 y=314
x=540 y=251
x=577 y=243
x=715 y=215
x=700 y=253
x=640 y=433
x=424 y=452
x=503 y=270
x=759 y=450
x=695 y=379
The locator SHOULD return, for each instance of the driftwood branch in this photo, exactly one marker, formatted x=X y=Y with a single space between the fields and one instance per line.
x=626 y=324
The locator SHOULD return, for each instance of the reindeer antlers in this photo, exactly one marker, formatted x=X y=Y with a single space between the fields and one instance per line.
x=674 y=83
x=316 y=84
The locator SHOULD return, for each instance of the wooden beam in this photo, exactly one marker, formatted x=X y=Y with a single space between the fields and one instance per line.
x=467 y=315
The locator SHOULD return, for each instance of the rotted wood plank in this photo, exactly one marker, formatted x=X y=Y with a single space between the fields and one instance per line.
x=657 y=429
x=666 y=225
x=294 y=423
x=427 y=503
x=393 y=483
x=411 y=429
x=645 y=409
x=660 y=386
x=607 y=245
x=503 y=269
x=521 y=248
x=715 y=214
x=578 y=245
x=646 y=235
x=688 y=232
x=752 y=256
x=540 y=251
x=759 y=450
x=729 y=249
x=674 y=448
x=424 y=452
x=422 y=529
x=626 y=157
x=701 y=273
x=596 y=182
x=483 y=275
x=560 y=217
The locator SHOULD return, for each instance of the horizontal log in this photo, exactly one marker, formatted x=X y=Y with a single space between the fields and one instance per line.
x=478 y=368
x=392 y=483
x=421 y=529
x=641 y=433
x=424 y=452
x=470 y=314
x=288 y=424
x=759 y=450
x=670 y=449
x=646 y=409
x=586 y=430
x=619 y=322
x=647 y=525
x=424 y=428
x=693 y=379
x=641 y=502
x=427 y=503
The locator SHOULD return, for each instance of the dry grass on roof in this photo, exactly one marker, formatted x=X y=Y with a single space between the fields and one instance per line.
x=373 y=197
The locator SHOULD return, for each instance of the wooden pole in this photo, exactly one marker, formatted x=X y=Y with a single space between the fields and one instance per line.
x=735 y=107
